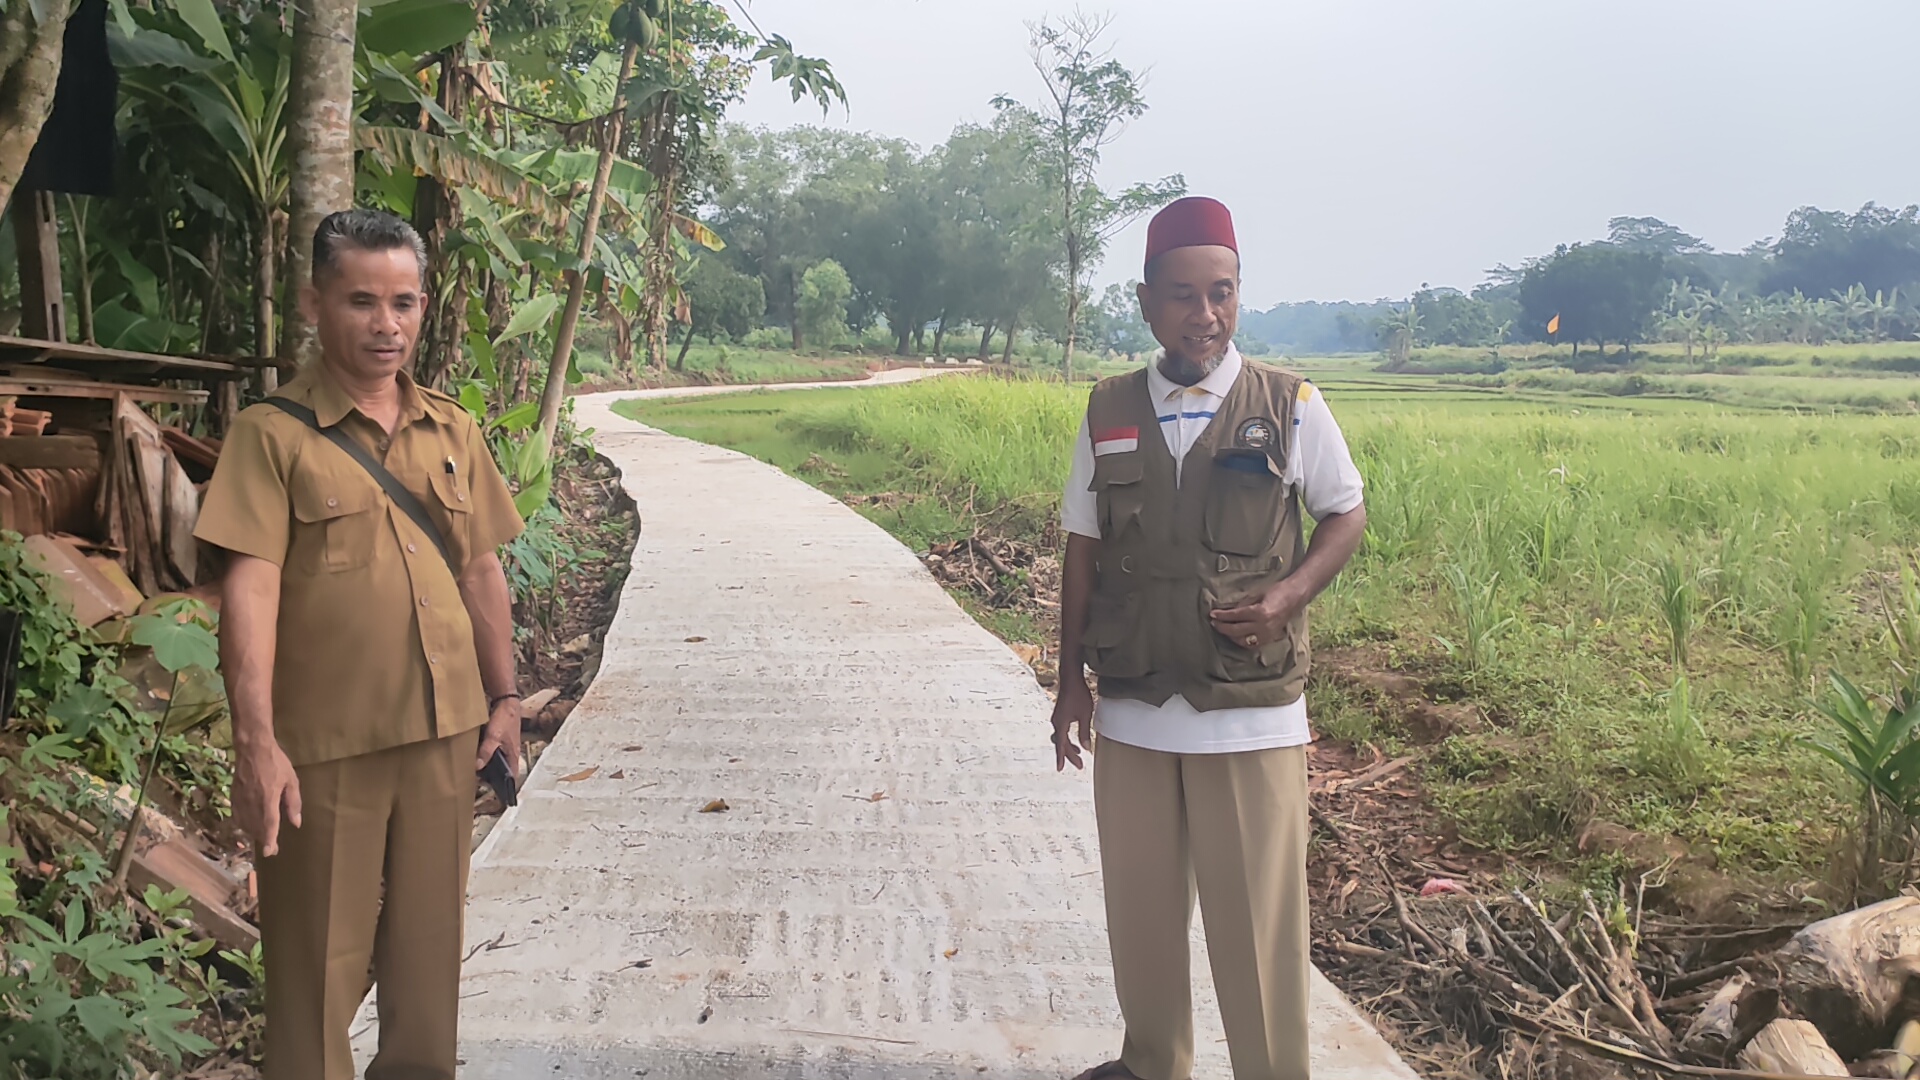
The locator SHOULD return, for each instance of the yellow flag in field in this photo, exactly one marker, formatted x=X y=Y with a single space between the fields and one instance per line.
x=1553 y=325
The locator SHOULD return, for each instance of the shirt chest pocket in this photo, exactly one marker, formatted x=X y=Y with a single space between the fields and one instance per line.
x=337 y=514
x=452 y=510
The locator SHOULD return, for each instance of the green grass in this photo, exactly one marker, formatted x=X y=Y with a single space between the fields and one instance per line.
x=710 y=364
x=1537 y=557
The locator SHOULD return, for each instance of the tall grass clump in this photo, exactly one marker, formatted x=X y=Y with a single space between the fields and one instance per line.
x=977 y=441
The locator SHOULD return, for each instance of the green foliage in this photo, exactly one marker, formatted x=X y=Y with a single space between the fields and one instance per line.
x=1674 y=749
x=1600 y=293
x=81 y=997
x=53 y=647
x=822 y=305
x=1873 y=744
x=1477 y=602
x=84 y=994
x=415 y=26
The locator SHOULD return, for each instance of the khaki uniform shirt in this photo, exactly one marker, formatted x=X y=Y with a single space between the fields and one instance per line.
x=375 y=646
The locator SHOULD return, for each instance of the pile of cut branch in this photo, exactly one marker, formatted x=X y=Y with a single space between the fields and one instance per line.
x=1596 y=986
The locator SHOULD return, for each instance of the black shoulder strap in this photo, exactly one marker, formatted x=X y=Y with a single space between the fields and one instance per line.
x=395 y=490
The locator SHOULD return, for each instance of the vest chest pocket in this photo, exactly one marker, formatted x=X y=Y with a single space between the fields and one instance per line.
x=338 y=515
x=1117 y=489
x=1246 y=500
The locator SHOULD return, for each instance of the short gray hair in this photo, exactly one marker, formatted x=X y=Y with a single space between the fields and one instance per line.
x=365 y=230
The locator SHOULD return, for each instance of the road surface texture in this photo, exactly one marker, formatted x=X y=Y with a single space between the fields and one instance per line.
x=899 y=886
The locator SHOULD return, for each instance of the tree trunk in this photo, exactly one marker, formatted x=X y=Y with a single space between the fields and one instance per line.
x=986 y=342
x=263 y=281
x=662 y=160
x=555 y=390
x=680 y=362
x=320 y=136
x=210 y=307
x=919 y=337
x=84 y=271
x=434 y=210
x=902 y=336
x=940 y=338
x=1013 y=328
x=30 y=55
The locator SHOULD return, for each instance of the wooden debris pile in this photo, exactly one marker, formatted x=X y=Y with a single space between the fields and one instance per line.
x=148 y=503
x=1596 y=986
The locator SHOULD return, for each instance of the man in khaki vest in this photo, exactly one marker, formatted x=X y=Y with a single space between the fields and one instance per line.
x=362 y=664
x=1186 y=589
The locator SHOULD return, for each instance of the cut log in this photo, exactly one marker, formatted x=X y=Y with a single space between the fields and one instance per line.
x=1707 y=1038
x=531 y=705
x=1793 y=1048
x=176 y=865
x=73 y=578
x=1849 y=974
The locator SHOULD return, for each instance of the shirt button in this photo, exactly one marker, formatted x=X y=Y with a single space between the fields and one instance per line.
x=461 y=496
x=331 y=503
x=423 y=601
x=411 y=548
x=433 y=659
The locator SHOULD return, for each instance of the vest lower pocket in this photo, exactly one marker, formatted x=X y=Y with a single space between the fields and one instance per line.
x=1232 y=661
x=1115 y=642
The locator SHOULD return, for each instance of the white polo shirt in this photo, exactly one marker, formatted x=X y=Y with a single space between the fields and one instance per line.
x=1320 y=469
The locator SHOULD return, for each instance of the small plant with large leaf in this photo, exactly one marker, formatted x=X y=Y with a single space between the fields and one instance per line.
x=1872 y=741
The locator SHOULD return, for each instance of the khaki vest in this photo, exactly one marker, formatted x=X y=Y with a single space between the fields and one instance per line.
x=1174 y=550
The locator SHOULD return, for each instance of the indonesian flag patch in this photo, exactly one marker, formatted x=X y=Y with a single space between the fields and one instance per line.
x=1117 y=440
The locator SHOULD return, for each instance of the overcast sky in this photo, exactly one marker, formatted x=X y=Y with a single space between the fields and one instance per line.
x=1367 y=146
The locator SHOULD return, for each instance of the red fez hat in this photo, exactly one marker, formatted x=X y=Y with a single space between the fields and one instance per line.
x=1190 y=222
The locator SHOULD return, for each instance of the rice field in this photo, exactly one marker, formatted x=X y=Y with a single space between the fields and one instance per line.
x=1640 y=598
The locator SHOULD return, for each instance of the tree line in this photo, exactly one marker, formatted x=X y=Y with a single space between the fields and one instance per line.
x=1830 y=276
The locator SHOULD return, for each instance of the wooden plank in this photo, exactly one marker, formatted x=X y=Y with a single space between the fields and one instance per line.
x=50 y=451
x=17 y=386
x=33 y=350
x=37 y=242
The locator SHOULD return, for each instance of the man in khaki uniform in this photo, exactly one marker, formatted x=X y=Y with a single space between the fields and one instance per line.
x=1186 y=586
x=362 y=667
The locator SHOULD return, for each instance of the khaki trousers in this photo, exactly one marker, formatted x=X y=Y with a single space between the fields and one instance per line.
x=376 y=873
x=1235 y=826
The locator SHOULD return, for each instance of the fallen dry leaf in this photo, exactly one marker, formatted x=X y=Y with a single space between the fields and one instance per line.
x=695 y=639
x=717 y=806
x=876 y=796
x=951 y=953
x=583 y=774
x=631 y=749
x=617 y=774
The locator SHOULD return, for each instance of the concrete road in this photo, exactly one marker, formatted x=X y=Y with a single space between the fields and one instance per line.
x=899 y=886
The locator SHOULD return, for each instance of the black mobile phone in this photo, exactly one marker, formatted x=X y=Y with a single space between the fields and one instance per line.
x=499 y=776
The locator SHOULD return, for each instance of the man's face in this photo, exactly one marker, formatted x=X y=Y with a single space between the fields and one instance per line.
x=368 y=309
x=1192 y=302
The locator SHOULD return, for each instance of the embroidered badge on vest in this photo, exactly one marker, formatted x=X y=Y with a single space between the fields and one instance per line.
x=1256 y=433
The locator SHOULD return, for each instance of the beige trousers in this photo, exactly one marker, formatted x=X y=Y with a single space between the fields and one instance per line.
x=376 y=874
x=1235 y=826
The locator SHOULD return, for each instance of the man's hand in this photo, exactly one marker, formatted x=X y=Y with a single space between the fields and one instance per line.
x=502 y=733
x=266 y=791
x=1073 y=708
x=1262 y=621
